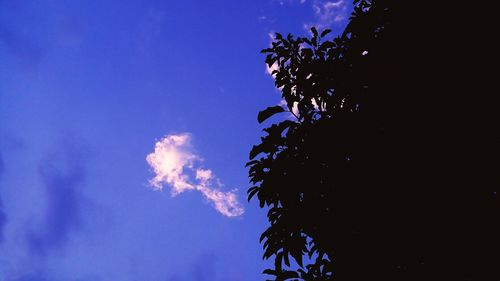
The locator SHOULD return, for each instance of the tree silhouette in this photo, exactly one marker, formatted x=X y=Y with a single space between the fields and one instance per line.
x=355 y=180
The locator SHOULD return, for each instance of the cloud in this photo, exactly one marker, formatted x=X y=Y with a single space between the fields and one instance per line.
x=172 y=154
x=62 y=175
x=274 y=66
x=261 y=18
x=269 y=70
x=174 y=164
x=328 y=13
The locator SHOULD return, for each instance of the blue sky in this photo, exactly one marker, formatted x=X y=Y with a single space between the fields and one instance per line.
x=87 y=88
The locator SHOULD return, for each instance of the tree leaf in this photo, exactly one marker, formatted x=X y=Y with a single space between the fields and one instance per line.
x=286 y=259
x=268 y=112
x=285 y=275
x=314 y=31
x=253 y=162
x=325 y=32
x=269 y=272
x=252 y=191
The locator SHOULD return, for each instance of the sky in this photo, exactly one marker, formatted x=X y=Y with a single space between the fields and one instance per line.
x=124 y=130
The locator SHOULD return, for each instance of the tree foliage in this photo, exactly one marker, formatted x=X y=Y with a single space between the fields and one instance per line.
x=352 y=181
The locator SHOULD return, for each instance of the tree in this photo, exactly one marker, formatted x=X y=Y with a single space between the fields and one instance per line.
x=353 y=181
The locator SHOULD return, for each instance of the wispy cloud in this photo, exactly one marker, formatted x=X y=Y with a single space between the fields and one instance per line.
x=274 y=66
x=270 y=69
x=175 y=164
x=62 y=174
x=328 y=13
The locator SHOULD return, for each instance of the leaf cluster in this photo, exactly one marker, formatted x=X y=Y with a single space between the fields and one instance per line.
x=351 y=182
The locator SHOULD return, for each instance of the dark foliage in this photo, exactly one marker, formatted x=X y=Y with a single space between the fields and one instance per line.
x=367 y=181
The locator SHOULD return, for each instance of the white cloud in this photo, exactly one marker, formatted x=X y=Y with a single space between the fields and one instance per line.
x=173 y=161
x=269 y=70
x=332 y=5
x=203 y=175
x=225 y=202
x=328 y=12
x=295 y=109
x=274 y=66
x=168 y=161
x=261 y=18
x=271 y=35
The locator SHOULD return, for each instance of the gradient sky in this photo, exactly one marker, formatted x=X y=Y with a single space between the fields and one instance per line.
x=86 y=90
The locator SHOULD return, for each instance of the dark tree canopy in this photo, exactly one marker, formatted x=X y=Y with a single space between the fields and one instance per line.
x=357 y=182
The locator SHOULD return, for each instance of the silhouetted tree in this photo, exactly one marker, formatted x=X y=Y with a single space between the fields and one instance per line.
x=355 y=180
